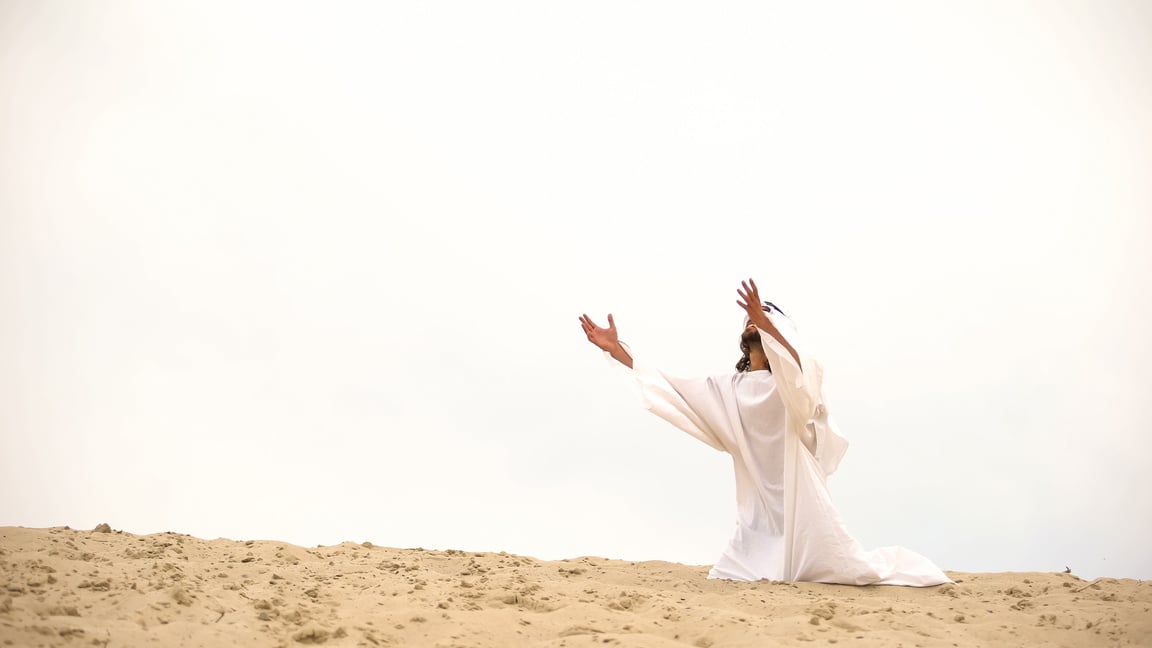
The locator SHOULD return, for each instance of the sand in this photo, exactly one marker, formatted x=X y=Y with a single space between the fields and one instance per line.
x=64 y=587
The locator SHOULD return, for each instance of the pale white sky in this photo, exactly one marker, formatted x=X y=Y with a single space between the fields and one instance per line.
x=311 y=271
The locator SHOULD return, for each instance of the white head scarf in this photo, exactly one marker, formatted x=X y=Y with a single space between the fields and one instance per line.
x=773 y=311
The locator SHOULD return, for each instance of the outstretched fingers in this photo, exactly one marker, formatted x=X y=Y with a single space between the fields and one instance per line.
x=751 y=291
x=745 y=299
x=595 y=332
x=749 y=294
x=589 y=326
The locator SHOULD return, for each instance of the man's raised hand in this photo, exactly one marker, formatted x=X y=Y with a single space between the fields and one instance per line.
x=605 y=338
x=750 y=302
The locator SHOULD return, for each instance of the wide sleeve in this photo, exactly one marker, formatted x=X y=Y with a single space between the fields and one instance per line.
x=801 y=389
x=692 y=404
x=830 y=446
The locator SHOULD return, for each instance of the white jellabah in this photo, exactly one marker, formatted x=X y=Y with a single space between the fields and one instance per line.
x=783 y=445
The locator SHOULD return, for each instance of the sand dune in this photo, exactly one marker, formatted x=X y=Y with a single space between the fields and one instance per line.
x=63 y=587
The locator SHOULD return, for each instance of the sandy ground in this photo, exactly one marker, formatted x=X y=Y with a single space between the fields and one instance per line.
x=63 y=587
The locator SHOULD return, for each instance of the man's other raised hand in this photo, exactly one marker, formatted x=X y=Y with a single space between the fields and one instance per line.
x=605 y=338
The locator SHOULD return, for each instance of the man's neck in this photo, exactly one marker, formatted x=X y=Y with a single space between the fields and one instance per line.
x=757 y=361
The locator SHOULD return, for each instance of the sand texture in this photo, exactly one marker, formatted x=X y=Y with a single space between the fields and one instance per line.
x=63 y=587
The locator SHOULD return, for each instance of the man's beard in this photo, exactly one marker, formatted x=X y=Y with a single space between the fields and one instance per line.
x=750 y=335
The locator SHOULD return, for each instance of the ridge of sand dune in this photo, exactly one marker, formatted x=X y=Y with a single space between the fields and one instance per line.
x=63 y=587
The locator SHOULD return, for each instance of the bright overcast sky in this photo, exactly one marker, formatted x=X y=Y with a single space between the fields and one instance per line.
x=312 y=271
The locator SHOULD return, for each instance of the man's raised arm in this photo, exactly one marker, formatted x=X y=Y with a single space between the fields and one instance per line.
x=750 y=302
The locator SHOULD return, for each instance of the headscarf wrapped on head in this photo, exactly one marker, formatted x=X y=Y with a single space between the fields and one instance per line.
x=767 y=307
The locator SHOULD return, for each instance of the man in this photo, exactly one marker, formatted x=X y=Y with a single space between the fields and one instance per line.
x=772 y=418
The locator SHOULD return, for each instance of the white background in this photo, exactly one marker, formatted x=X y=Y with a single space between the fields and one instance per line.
x=312 y=271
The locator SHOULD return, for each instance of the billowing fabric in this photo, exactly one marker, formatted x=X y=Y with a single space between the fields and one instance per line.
x=783 y=445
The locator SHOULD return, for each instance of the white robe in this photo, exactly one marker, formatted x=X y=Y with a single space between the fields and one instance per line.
x=783 y=446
